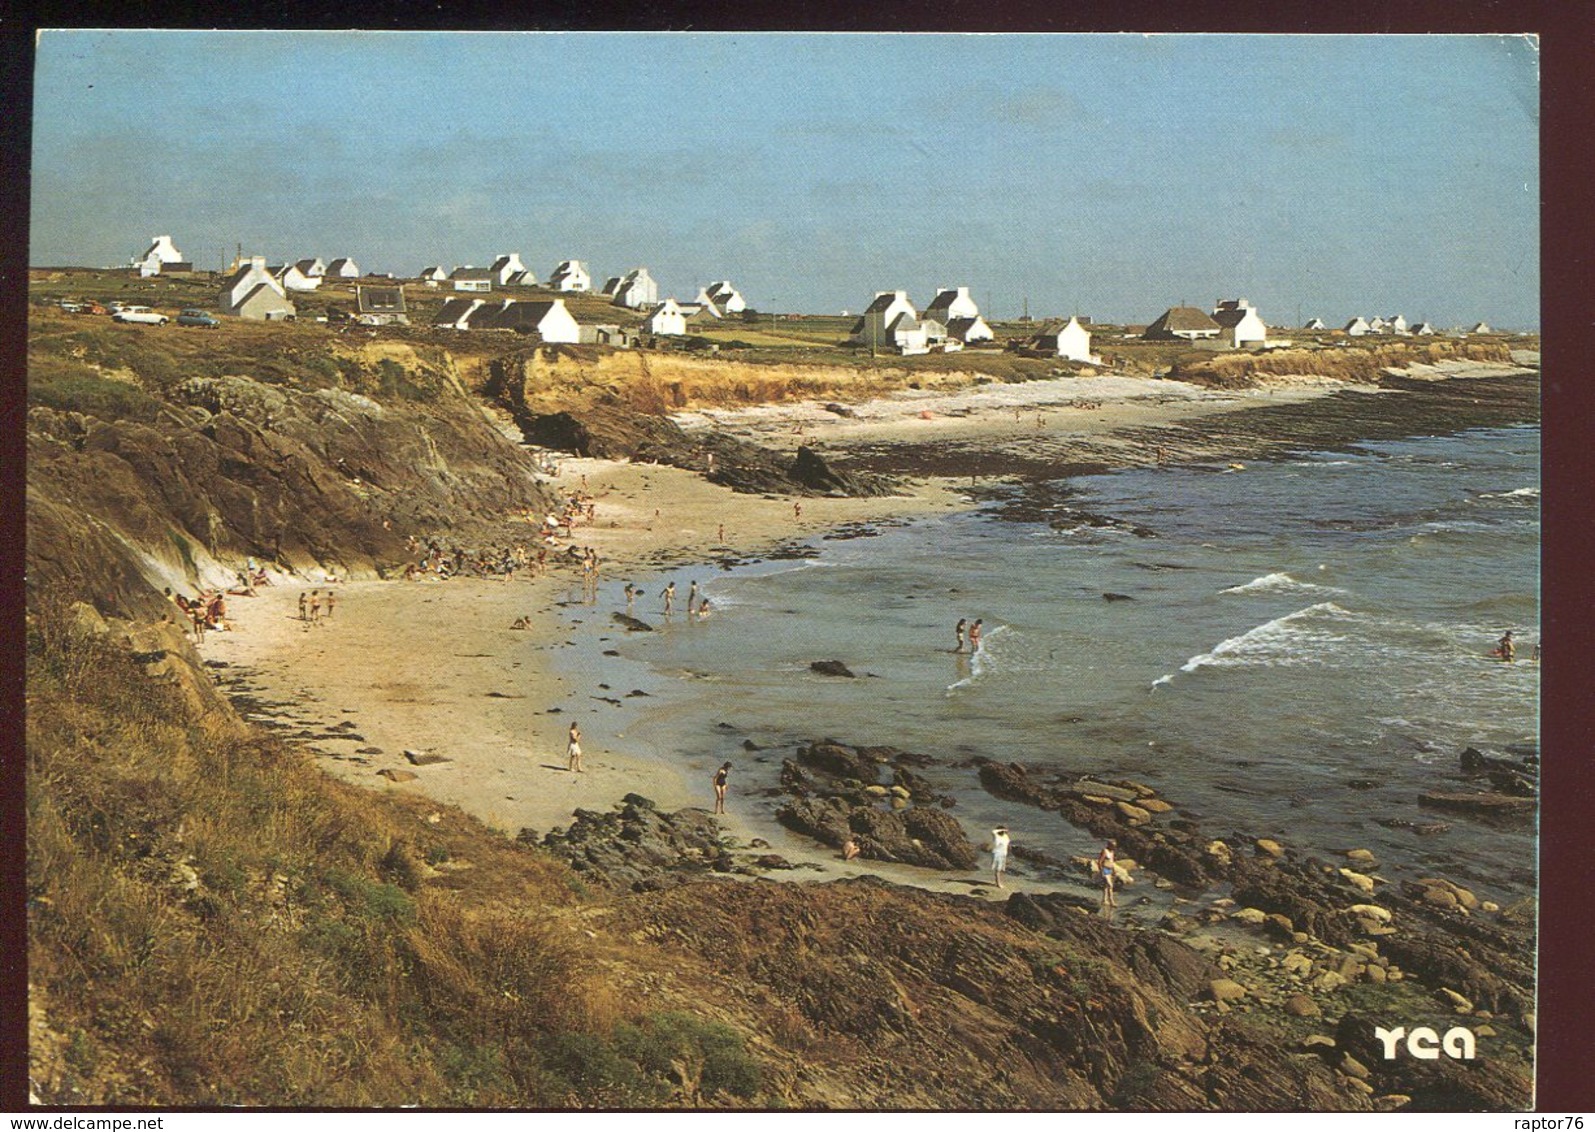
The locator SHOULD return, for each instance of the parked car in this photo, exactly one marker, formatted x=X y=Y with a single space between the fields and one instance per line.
x=193 y=316
x=71 y=306
x=140 y=314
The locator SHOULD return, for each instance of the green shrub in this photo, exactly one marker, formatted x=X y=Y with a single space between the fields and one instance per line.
x=96 y=397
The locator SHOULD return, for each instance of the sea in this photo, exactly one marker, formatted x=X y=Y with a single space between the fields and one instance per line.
x=1294 y=649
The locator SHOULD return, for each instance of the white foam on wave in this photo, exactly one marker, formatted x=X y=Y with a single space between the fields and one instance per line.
x=1283 y=642
x=1279 y=583
x=980 y=661
x=1515 y=493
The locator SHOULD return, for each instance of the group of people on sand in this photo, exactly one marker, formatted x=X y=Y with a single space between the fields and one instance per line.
x=311 y=605
x=206 y=611
x=965 y=632
x=1103 y=871
x=434 y=562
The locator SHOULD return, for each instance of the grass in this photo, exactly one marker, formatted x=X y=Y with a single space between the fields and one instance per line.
x=214 y=921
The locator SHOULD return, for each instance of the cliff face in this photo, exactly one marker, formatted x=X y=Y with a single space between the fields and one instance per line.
x=213 y=469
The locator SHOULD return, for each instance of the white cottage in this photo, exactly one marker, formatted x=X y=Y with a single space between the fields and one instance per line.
x=1397 y=325
x=1481 y=328
x=455 y=314
x=293 y=278
x=1424 y=329
x=380 y=306
x=666 y=319
x=162 y=255
x=547 y=319
x=969 y=330
x=636 y=289
x=433 y=274
x=1314 y=324
x=873 y=328
x=473 y=279
x=570 y=275
x=951 y=303
x=251 y=292
x=725 y=297
x=311 y=268
x=506 y=267
x=1067 y=340
x=343 y=268
x=1239 y=323
x=1357 y=327
x=1182 y=323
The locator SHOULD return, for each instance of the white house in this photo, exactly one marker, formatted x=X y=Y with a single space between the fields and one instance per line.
x=546 y=318
x=570 y=275
x=1424 y=329
x=293 y=278
x=873 y=326
x=506 y=267
x=475 y=279
x=1314 y=324
x=1377 y=325
x=725 y=297
x=1186 y=323
x=433 y=273
x=969 y=330
x=251 y=292
x=951 y=303
x=523 y=279
x=1239 y=323
x=311 y=268
x=1357 y=327
x=162 y=255
x=704 y=305
x=1067 y=340
x=1397 y=325
x=636 y=289
x=666 y=318
x=1481 y=328
x=343 y=268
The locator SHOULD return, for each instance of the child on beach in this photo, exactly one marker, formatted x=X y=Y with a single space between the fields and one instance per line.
x=999 y=854
x=974 y=635
x=1105 y=871
x=958 y=631
x=720 y=788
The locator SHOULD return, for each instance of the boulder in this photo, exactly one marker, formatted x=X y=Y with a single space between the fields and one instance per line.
x=1226 y=990
x=1268 y=847
x=1300 y=1006
x=830 y=668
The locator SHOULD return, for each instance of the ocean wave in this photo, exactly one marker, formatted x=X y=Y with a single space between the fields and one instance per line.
x=1279 y=583
x=1295 y=639
x=980 y=661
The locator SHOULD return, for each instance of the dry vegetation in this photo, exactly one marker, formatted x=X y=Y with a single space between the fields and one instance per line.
x=212 y=920
x=1361 y=364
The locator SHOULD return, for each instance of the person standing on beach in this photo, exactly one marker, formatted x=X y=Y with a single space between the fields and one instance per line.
x=303 y=606
x=692 y=598
x=330 y=600
x=797 y=509
x=974 y=636
x=315 y=606
x=573 y=751
x=999 y=854
x=669 y=594
x=958 y=631
x=720 y=788
x=1104 y=870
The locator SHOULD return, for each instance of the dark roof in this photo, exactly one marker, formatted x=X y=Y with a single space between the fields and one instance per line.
x=478 y=273
x=958 y=327
x=379 y=300
x=1230 y=317
x=1181 y=320
x=521 y=315
x=305 y=265
x=452 y=310
x=858 y=327
x=882 y=301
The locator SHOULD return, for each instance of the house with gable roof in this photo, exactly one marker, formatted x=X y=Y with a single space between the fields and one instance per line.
x=455 y=314
x=1182 y=324
x=433 y=273
x=343 y=268
x=570 y=275
x=1069 y=340
x=1424 y=329
x=311 y=268
x=508 y=266
x=1377 y=325
x=725 y=298
x=951 y=303
x=888 y=309
x=475 y=279
x=1314 y=324
x=547 y=319
x=293 y=278
x=161 y=256
x=1481 y=328
x=635 y=289
x=703 y=307
x=668 y=318
x=1239 y=323
x=251 y=292
x=969 y=330
x=1357 y=327
x=1397 y=325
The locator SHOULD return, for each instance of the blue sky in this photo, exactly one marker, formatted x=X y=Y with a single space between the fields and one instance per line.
x=1113 y=175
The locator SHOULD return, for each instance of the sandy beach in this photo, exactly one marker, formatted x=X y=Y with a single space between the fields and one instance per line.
x=435 y=669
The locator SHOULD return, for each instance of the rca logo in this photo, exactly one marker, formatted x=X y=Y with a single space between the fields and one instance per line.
x=1425 y=1044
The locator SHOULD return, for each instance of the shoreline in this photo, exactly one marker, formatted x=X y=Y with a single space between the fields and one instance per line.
x=457 y=682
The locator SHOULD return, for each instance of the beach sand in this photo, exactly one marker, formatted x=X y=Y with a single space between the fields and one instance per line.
x=434 y=667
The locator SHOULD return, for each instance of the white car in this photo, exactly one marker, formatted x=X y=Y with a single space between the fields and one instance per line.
x=140 y=314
